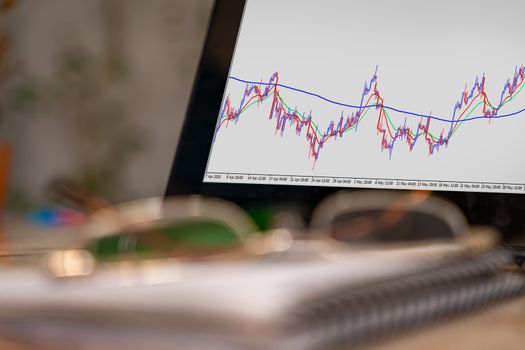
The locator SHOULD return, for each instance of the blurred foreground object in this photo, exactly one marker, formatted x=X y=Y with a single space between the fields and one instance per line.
x=388 y=216
x=196 y=228
x=395 y=218
x=186 y=228
x=196 y=273
x=256 y=304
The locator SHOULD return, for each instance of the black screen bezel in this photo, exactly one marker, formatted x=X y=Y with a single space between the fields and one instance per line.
x=503 y=211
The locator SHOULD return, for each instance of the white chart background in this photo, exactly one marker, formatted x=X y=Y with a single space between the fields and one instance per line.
x=426 y=52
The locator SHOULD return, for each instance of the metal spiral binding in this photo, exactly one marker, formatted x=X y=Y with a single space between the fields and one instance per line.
x=355 y=315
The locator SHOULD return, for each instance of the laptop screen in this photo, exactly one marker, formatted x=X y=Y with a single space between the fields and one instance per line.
x=410 y=94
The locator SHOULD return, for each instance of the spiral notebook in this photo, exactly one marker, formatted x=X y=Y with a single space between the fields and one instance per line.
x=319 y=304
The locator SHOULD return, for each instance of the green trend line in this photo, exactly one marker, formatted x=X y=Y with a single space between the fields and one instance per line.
x=367 y=109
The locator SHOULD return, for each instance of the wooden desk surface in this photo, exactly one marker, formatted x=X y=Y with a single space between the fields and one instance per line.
x=498 y=327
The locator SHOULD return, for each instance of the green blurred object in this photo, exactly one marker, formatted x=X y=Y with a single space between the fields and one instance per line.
x=263 y=216
x=202 y=235
x=184 y=238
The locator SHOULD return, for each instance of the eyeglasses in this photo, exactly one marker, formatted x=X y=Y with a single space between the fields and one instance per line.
x=200 y=228
x=388 y=216
x=185 y=228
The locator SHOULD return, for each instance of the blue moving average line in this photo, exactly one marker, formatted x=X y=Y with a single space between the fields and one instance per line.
x=384 y=106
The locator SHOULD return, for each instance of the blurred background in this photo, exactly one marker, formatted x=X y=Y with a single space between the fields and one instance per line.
x=94 y=91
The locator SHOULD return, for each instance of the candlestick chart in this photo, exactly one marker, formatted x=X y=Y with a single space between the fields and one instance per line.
x=395 y=126
x=374 y=94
